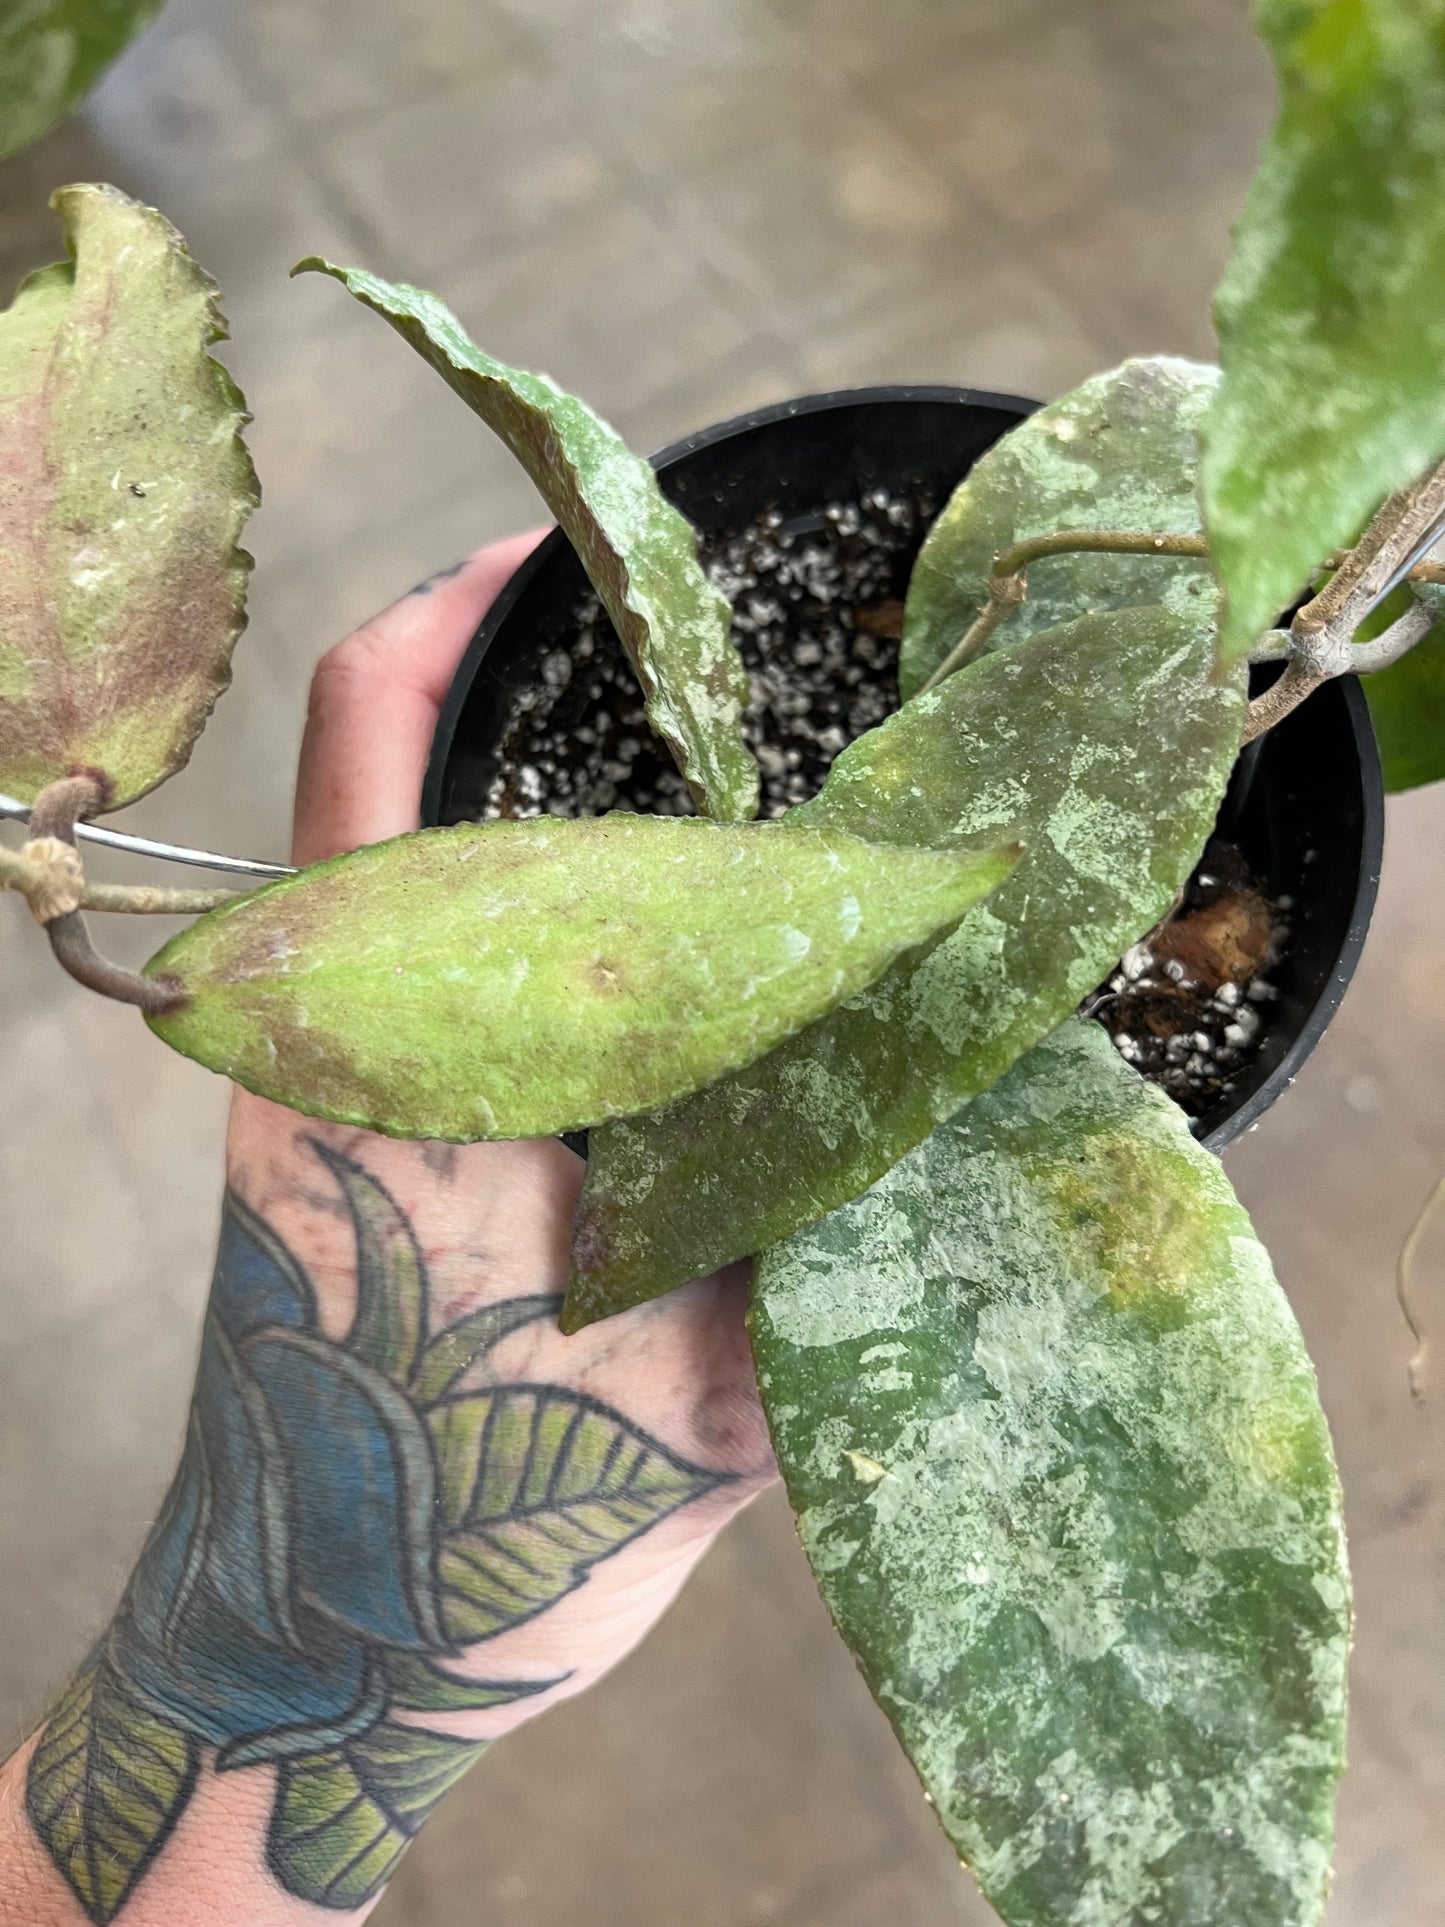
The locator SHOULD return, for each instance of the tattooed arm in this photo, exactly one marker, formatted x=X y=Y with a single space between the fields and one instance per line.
x=409 y=1514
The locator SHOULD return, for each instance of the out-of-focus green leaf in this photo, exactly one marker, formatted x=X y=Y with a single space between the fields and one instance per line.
x=1120 y=452
x=1105 y=746
x=1059 y=1465
x=1331 y=326
x=124 y=486
x=507 y=980
x=52 y=52
x=1407 y=700
x=639 y=552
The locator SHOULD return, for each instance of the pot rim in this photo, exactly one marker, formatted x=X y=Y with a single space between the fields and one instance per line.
x=1372 y=828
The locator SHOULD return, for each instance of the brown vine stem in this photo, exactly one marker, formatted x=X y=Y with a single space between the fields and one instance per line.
x=53 y=820
x=24 y=874
x=1321 y=634
x=1007 y=587
x=1319 y=646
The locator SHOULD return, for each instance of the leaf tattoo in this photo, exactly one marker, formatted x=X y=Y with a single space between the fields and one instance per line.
x=107 y=1783
x=345 y=1517
x=540 y=1484
x=343 y=1819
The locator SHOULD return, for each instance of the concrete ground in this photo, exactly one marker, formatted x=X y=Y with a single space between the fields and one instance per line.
x=679 y=207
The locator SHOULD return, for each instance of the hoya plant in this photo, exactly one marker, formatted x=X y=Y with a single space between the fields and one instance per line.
x=1048 y=1426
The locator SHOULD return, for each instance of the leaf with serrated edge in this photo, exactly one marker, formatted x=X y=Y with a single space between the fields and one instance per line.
x=124 y=486
x=389 y=1330
x=343 y=1819
x=52 y=52
x=540 y=1483
x=1105 y=745
x=106 y=1784
x=1119 y=452
x=1060 y=1468
x=507 y=980
x=1331 y=328
x=640 y=553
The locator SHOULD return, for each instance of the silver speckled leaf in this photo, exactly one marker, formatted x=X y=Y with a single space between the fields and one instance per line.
x=1105 y=745
x=640 y=553
x=1331 y=325
x=1119 y=452
x=124 y=487
x=1059 y=1465
x=505 y=980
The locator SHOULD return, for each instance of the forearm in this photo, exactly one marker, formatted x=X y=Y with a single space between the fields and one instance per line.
x=409 y=1515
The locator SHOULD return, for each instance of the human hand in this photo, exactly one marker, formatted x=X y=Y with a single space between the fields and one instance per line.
x=410 y=1514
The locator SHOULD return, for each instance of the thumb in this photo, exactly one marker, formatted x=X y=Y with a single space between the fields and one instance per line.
x=374 y=703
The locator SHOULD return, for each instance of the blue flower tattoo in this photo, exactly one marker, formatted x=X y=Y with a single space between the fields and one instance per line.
x=347 y=1518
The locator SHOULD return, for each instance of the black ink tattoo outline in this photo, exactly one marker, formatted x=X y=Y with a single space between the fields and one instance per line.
x=345 y=1517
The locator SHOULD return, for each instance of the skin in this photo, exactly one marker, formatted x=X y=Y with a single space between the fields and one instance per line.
x=492 y=1222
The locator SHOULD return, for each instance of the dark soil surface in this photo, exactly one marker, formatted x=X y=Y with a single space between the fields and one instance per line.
x=1189 y=1004
x=817 y=616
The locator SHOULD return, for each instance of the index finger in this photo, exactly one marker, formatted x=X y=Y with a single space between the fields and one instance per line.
x=375 y=699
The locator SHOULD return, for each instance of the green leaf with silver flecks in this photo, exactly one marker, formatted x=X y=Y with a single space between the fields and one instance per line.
x=1059 y=1465
x=1120 y=452
x=1330 y=323
x=105 y=1786
x=389 y=1329
x=506 y=980
x=454 y=1351
x=640 y=553
x=541 y=1483
x=124 y=486
x=343 y=1819
x=52 y=52
x=417 y=1686
x=1105 y=745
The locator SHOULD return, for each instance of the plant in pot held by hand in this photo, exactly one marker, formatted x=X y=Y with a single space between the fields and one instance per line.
x=1048 y=1425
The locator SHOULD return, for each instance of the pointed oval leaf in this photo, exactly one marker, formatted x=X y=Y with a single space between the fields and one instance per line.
x=640 y=553
x=106 y=1784
x=52 y=52
x=518 y=979
x=540 y=1483
x=1105 y=746
x=1060 y=1468
x=1119 y=452
x=1331 y=328
x=124 y=486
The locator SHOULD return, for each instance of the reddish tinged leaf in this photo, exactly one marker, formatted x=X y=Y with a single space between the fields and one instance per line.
x=124 y=485
x=506 y=980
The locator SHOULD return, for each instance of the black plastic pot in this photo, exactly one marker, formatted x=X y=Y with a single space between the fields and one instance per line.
x=1307 y=810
